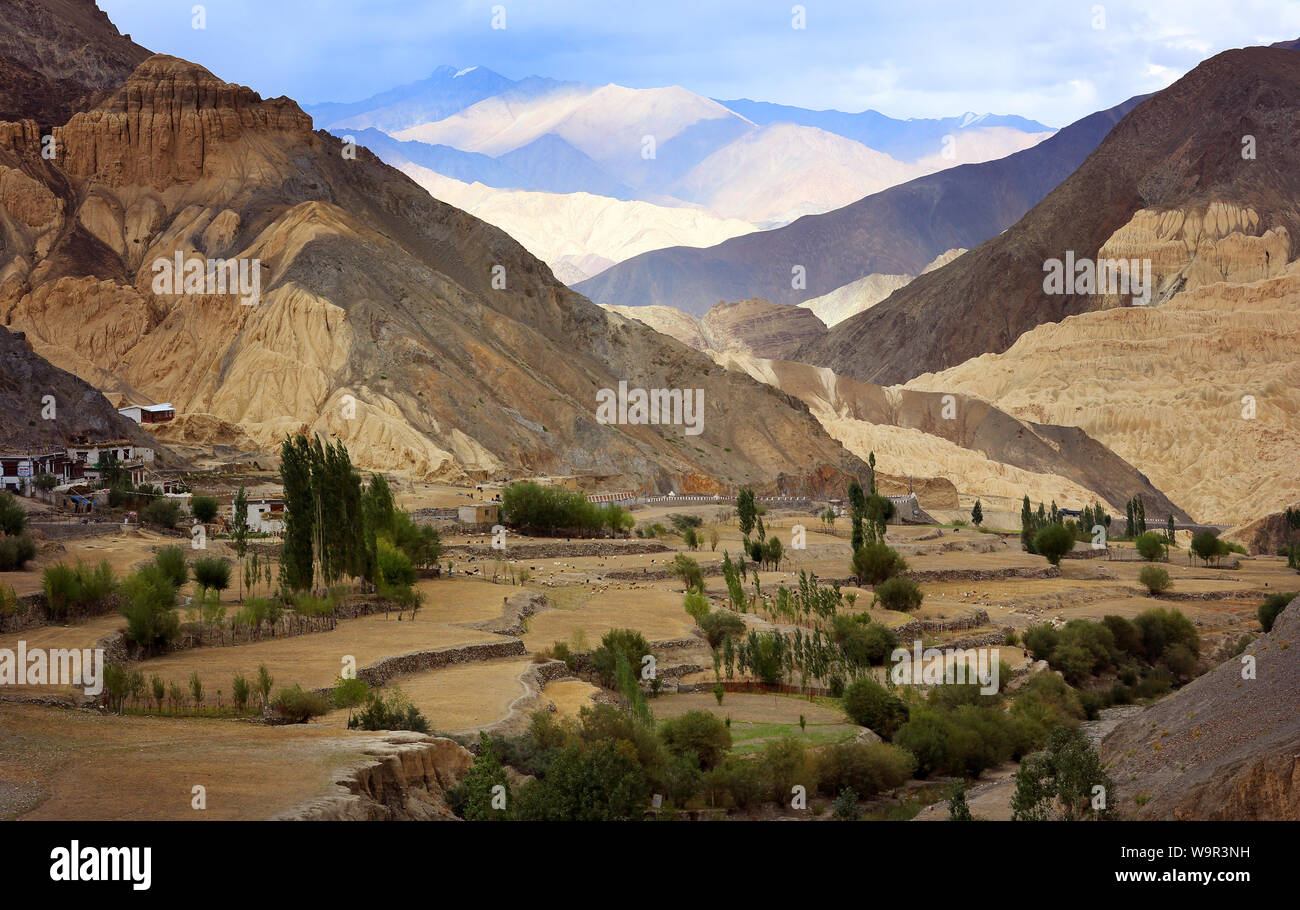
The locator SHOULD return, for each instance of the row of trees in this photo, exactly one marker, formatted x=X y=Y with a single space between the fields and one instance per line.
x=552 y=511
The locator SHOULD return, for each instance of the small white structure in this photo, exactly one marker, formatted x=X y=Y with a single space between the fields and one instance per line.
x=480 y=513
x=266 y=516
x=149 y=413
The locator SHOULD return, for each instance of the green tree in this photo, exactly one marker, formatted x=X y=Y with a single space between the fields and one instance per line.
x=212 y=573
x=239 y=533
x=899 y=593
x=1273 y=605
x=1151 y=545
x=977 y=514
x=1065 y=782
x=472 y=799
x=350 y=692
x=1053 y=541
x=875 y=562
x=958 y=811
x=1154 y=579
x=871 y=705
x=700 y=734
x=746 y=511
x=204 y=508
x=149 y=607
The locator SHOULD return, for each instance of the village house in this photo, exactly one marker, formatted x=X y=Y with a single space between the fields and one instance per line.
x=149 y=413
x=18 y=470
x=265 y=516
x=480 y=513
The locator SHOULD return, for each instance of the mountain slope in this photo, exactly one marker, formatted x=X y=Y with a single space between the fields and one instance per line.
x=1221 y=748
x=79 y=410
x=572 y=229
x=447 y=91
x=983 y=450
x=895 y=232
x=378 y=320
x=1176 y=154
x=1164 y=387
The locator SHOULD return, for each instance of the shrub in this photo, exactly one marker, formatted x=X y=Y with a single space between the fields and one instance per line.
x=788 y=762
x=394 y=566
x=172 y=562
x=696 y=606
x=350 y=693
x=871 y=705
x=1155 y=579
x=392 y=713
x=239 y=691
x=1054 y=541
x=628 y=642
x=203 y=508
x=1272 y=606
x=1041 y=641
x=8 y=601
x=688 y=570
x=873 y=563
x=472 y=798
x=296 y=705
x=721 y=624
x=13 y=517
x=212 y=574
x=741 y=782
x=901 y=594
x=1151 y=546
x=845 y=807
x=16 y=552
x=1161 y=628
x=151 y=619
x=586 y=782
x=162 y=512
x=699 y=733
x=866 y=768
x=1127 y=637
x=863 y=643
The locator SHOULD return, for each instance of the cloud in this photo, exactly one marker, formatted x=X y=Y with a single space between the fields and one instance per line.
x=922 y=58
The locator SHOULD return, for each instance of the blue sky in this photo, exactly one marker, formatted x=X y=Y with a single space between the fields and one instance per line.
x=1043 y=59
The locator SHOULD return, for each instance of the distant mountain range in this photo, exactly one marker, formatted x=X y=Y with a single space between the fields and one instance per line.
x=760 y=163
x=894 y=232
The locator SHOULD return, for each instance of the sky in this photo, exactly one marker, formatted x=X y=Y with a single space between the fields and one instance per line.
x=1050 y=60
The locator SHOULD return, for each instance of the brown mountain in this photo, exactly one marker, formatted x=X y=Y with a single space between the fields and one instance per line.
x=1223 y=747
x=56 y=55
x=1169 y=183
x=895 y=232
x=78 y=408
x=381 y=318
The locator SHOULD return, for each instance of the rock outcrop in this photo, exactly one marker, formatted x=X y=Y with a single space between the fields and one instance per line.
x=408 y=779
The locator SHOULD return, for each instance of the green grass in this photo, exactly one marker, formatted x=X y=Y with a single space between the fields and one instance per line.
x=748 y=738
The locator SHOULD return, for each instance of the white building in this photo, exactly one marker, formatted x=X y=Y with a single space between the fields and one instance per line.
x=149 y=413
x=266 y=516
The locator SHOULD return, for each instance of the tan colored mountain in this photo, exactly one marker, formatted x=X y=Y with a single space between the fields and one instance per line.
x=760 y=328
x=752 y=326
x=380 y=316
x=983 y=451
x=1169 y=388
x=866 y=292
